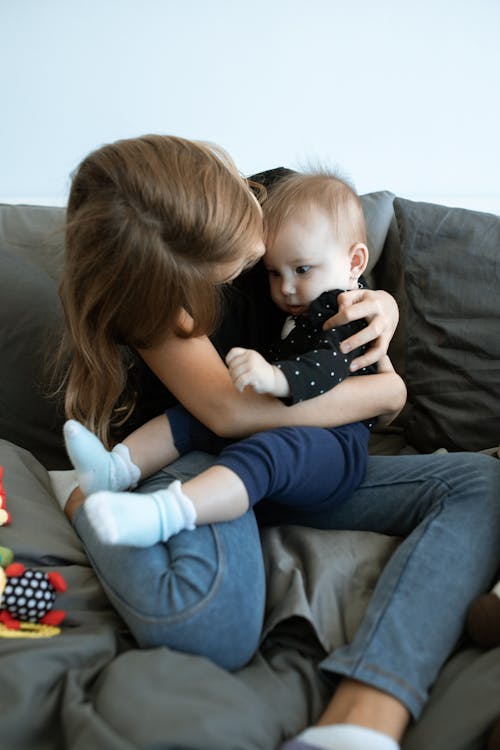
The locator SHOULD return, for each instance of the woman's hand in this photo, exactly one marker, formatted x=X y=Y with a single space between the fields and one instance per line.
x=384 y=365
x=380 y=311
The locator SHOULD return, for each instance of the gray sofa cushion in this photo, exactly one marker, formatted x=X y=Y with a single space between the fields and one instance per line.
x=29 y=319
x=379 y=213
x=35 y=233
x=452 y=362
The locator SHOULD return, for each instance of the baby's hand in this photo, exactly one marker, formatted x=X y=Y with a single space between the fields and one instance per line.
x=248 y=367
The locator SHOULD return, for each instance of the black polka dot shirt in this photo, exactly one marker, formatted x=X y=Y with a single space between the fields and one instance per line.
x=310 y=358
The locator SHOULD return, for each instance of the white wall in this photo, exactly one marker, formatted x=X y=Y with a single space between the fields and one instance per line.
x=399 y=95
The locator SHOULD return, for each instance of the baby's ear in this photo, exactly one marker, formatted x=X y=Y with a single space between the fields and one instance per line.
x=358 y=256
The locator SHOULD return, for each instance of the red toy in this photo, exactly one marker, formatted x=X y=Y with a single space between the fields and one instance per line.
x=4 y=514
x=28 y=595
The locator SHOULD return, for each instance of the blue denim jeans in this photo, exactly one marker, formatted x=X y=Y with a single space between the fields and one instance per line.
x=203 y=592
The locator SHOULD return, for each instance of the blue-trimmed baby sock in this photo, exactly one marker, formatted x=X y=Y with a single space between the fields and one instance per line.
x=341 y=737
x=97 y=468
x=140 y=520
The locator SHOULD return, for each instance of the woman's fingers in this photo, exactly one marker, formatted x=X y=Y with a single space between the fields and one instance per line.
x=370 y=357
x=380 y=312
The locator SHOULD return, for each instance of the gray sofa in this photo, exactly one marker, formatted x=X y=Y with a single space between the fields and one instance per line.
x=90 y=686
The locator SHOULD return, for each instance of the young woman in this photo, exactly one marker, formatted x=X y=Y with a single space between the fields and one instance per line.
x=315 y=247
x=155 y=224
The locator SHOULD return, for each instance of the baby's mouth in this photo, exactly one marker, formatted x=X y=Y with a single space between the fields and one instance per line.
x=295 y=309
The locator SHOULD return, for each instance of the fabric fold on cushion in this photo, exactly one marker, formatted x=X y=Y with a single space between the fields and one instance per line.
x=451 y=267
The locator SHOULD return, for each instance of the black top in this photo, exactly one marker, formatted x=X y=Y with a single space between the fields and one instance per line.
x=310 y=357
x=250 y=320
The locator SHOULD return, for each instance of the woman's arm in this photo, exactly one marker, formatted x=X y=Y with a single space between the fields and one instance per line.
x=193 y=371
x=357 y=398
x=397 y=394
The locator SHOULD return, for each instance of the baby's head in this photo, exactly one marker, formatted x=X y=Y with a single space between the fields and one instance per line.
x=315 y=239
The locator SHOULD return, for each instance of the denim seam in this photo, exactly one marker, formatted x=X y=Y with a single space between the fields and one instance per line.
x=355 y=671
x=357 y=664
x=438 y=479
x=381 y=614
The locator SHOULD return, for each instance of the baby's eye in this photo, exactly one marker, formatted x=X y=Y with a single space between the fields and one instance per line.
x=302 y=269
x=271 y=272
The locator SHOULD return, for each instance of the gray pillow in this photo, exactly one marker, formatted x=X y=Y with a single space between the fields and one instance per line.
x=451 y=267
x=35 y=233
x=30 y=318
x=378 y=211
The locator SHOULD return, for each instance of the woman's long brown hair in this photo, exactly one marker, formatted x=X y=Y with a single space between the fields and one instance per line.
x=149 y=221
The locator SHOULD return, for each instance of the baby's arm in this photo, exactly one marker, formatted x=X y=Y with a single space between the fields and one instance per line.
x=248 y=367
x=306 y=364
x=195 y=374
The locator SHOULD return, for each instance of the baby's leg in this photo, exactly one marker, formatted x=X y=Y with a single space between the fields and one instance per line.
x=97 y=468
x=306 y=466
x=141 y=520
x=126 y=518
x=144 y=452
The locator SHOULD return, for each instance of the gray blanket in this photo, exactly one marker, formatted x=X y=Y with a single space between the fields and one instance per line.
x=91 y=687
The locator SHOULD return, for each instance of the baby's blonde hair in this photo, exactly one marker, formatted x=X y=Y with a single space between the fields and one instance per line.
x=149 y=222
x=300 y=192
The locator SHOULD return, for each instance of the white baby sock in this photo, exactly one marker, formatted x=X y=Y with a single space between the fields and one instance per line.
x=97 y=468
x=347 y=737
x=140 y=520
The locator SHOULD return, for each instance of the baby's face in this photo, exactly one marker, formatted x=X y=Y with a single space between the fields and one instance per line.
x=304 y=260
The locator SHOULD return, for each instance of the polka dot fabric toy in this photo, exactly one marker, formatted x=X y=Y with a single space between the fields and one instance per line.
x=29 y=596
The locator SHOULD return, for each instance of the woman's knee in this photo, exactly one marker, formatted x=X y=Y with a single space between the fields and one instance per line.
x=211 y=597
x=203 y=592
x=469 y=491
x=477 y=472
